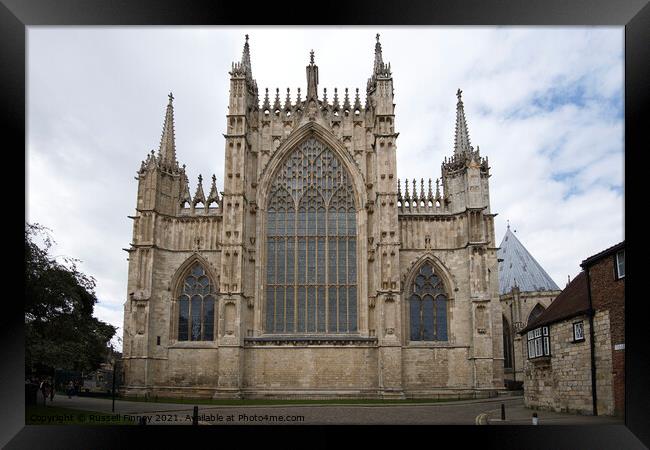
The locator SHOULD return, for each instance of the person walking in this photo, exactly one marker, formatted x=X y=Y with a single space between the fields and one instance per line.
x=70 y=388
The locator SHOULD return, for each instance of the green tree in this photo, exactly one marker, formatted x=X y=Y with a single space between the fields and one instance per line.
x=60 y=330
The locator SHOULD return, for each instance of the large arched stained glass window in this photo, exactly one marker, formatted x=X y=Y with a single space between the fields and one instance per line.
x=196 y=307
x=428 y=306
x=311 y=245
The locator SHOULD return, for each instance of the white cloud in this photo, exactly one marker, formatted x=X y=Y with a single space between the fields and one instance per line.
x=544 y=104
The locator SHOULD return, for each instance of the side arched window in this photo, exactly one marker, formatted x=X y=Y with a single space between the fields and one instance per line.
x=196 y=307
x=428 y=306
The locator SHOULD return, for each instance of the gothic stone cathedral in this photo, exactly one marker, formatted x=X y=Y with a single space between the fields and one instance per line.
x=315 y=273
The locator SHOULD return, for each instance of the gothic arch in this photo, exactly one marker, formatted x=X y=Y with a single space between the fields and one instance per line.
x=438 y=266
x=409 y=291
x=176 y=285
x=508 y=350
x=535 y=312
x=179 y=276
x=295 y=139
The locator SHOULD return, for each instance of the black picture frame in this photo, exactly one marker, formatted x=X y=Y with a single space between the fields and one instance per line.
x=634 y=15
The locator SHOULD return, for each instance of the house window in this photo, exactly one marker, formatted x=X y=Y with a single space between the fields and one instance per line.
x=311 y=245
x=538 y=343
x=578 y=331
x=196 y=307
x=620 y=264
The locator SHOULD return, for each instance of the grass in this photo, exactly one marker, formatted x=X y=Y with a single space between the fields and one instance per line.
x=244 y=402
x=55 y=415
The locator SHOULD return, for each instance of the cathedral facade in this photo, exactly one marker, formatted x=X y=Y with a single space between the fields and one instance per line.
x=315 y=273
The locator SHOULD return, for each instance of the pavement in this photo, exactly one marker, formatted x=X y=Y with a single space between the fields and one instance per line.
x=464 y=412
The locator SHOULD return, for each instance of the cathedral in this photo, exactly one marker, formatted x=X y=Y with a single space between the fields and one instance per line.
x=316 y=272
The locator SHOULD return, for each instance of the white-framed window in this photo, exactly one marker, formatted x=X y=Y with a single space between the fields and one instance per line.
x=538 y=343
x=620 y=264
x=578 y=331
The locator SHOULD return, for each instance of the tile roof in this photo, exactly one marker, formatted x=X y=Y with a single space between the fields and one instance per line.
x=520 y=268
x=573 y=300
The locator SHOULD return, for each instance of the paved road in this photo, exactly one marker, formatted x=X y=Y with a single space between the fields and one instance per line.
x=451 y=413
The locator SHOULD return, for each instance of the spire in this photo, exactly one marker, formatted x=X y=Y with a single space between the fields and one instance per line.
x=312 y=78
x=380 y=69
x=461 y=141
x=518 y=267
x=379 y=61
x=246 y=59
x=167 y=150
x=324 y=102
x=335 y=105
x=399 y=190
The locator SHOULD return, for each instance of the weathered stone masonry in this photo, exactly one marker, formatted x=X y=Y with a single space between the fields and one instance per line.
x=399 y=229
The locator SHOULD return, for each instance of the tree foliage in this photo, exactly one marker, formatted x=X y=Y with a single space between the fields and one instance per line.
x=60 y=330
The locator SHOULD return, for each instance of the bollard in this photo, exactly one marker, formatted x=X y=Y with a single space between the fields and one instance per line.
x=535 y=422
x=503 y=411
x=195 y=416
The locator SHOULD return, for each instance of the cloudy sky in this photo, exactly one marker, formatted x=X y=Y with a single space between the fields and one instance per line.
x=544 y=104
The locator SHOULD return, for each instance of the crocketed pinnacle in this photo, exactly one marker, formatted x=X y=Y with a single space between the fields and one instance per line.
x=312 y=78
x=380 y=69
x=379 y=61
x=199 y=196
x=167 y=150
x=461 y=141
x=246 y=58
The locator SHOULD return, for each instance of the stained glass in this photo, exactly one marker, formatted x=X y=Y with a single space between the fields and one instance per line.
x=196 y=316
x=312 y=190
x=428 y=318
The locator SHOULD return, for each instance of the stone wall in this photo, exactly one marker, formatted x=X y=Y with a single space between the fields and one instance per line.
x=561 y=382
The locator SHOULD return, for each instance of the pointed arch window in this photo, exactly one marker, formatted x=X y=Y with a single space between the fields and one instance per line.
x=507 y=344
x=196 y=307
x=427 y=306
x=535 y=313
x=311 y=245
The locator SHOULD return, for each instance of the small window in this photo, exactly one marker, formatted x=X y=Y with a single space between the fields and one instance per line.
x=578 y=331
x=538 y=343
x=620 y=264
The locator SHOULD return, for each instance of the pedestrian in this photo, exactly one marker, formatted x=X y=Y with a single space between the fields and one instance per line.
x=70 y=388
x=45 y=390
x=52 y=391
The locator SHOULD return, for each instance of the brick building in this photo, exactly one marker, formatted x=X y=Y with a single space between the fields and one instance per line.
x=576 y=347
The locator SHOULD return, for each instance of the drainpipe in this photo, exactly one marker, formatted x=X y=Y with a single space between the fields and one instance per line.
x=592 y=347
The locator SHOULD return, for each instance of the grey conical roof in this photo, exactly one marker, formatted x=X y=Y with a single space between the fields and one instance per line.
x=520 y=268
